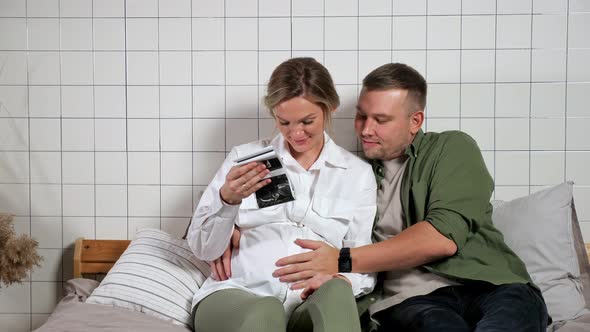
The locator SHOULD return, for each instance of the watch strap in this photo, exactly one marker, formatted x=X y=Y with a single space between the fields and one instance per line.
x=344 y=261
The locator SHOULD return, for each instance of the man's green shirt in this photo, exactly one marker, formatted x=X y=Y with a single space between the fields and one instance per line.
x=446 y=183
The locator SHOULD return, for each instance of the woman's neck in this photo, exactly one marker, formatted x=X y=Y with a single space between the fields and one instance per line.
x=307 y=158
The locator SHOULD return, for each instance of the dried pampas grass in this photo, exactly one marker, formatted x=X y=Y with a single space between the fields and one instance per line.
x=17 y=254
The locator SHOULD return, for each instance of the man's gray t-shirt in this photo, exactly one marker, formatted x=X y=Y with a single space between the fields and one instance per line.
x=398 y=285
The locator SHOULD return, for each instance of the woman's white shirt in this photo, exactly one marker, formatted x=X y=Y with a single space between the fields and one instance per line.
x=335 y=202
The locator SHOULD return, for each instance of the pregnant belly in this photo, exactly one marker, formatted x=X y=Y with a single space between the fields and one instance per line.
x=260 y=248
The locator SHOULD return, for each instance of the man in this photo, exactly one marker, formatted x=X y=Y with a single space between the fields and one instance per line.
x=444 y=265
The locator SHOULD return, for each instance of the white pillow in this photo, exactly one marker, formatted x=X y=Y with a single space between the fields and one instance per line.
x=543 y=230
x=157 y=275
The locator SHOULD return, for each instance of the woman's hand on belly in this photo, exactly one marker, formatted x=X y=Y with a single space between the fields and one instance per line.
x=221 y=267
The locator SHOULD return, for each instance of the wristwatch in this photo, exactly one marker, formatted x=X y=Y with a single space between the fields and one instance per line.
x=344 y=261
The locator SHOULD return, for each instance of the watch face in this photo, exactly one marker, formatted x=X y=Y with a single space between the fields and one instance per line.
x=345 y=265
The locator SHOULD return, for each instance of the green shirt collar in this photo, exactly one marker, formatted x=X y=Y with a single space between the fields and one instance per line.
x=412 y=149
x=411 y=152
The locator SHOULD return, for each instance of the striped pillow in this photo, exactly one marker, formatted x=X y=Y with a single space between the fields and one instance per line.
x=157 y=275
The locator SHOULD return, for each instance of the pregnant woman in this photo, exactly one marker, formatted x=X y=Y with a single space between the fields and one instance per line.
x=334 y=192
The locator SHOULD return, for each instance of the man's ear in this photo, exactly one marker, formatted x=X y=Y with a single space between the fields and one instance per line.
x=416 y=121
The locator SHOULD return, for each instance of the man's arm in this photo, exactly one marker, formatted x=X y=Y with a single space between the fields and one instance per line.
x=458 y=195
x=415 y=246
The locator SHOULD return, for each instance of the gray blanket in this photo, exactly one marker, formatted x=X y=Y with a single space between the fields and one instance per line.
x=72 y=314
x=580 y=324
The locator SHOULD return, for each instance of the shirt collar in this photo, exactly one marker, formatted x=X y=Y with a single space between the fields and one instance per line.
x=411 y=152
x=331 y=153
x=412 y=149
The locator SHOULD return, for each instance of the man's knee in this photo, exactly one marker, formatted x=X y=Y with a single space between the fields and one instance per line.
x=425 y=318
x=515 y=307
x=518 y=296
x=417 y=314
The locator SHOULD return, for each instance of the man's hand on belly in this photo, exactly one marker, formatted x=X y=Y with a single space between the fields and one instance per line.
x=323 y=259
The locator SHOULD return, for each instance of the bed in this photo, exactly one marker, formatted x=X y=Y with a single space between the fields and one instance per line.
x=531 y=226
x=95 y=258
x=72 y=314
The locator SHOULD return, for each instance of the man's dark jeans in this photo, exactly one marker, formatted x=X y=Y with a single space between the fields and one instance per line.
x=474 y=307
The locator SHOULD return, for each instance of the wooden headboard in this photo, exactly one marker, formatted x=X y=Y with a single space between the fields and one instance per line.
x=98 y=256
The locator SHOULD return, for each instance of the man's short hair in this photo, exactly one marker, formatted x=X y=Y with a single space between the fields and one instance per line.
x=399 y=76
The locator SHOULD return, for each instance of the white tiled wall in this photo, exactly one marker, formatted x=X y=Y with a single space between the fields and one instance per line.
x=115 y=113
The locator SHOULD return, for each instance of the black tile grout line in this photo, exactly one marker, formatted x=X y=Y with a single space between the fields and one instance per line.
x=126 y=128
x=61 y=162
x=258 y=60
x=244 y=50
x=323 y=31
x=461 y=63
x=248 y=85
x=358 y=70
x=567 y=27
x=391 y=38
x=225 y=151
x=269 y=118
x=426 y=118
x=160 y=115
x=530 y=97
x=295 y=16
x=224 y=74
x=188 y=216
x=29 y=274
x=93 y=114
x=171 y=185
x=291 y=33
x=495 y=92
x=192 y=122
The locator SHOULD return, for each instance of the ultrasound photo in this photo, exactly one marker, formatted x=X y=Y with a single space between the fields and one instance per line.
x=279 y=189
x=273 y=164
x=276 y=192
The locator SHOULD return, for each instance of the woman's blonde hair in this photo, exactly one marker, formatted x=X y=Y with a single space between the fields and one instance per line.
x=302 y=77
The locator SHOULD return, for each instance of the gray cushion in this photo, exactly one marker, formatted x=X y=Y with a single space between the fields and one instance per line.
x=543 y=230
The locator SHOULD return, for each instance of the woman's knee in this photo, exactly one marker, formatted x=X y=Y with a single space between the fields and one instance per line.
x=337 y=289
x=234 y=310
x=266 y=314
x=267 y=305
